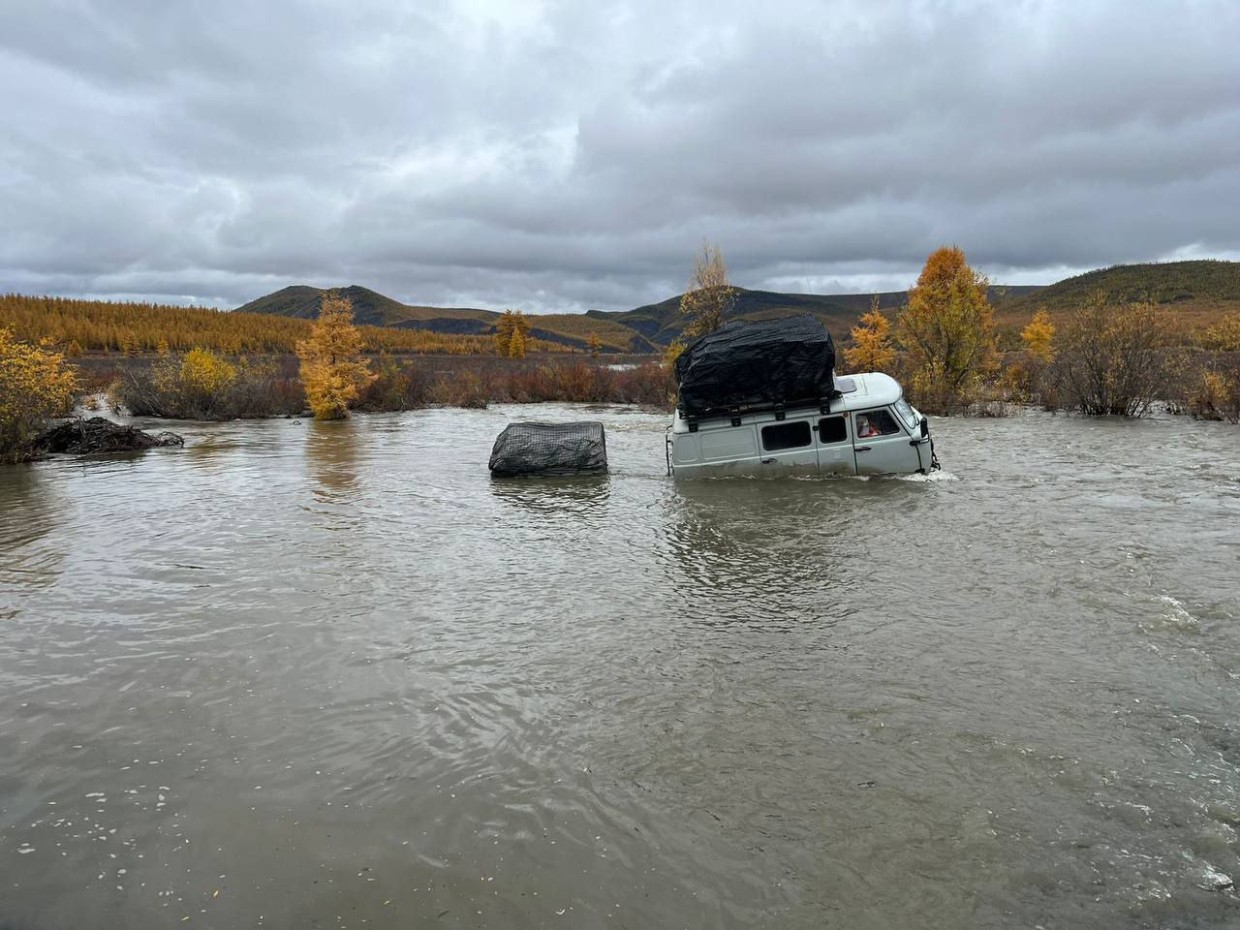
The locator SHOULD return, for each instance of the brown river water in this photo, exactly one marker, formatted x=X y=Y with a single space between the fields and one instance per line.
x=332 y=675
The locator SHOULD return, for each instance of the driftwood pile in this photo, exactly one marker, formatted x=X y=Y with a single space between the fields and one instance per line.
x=97 y=435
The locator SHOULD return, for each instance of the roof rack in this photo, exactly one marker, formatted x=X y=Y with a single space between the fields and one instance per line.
x=735 y=412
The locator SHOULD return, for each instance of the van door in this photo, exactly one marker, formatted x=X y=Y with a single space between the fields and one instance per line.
x=788 y=445
x=882 y=445
x=835 y=450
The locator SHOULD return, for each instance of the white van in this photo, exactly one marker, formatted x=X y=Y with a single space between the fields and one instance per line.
x=868 y=428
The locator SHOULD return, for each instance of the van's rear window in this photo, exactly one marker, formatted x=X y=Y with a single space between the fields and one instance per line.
x=786 y=436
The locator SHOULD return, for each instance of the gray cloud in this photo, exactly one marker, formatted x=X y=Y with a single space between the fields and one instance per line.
x=561 y=156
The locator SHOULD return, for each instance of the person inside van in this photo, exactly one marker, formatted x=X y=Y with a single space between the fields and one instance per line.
x=865 y=428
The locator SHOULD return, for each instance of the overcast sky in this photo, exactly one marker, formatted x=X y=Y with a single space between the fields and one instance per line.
x=562 y=156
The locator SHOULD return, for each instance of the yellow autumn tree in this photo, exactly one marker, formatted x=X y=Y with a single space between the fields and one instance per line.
x=1038 y=337
x=503 y=333
x=512 y=332
x=594 y=344
x=516 y=345
x=35 y=385
x=332 y=368
x=1024 y=376
x=871 y=349
x=946 y=331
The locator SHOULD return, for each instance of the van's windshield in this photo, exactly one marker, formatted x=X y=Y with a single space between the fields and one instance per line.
x=906 y=413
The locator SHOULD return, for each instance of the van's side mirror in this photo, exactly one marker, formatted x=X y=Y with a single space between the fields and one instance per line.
x=925 y=427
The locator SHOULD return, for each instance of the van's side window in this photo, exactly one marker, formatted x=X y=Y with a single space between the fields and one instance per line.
x=832 y=429
x=876 y=423
x=786 y=436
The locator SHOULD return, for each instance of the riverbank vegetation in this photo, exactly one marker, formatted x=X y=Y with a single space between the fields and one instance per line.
x=1100 y=357
x=330 y=376
x=35 y=385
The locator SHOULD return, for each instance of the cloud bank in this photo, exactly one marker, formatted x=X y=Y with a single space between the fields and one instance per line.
x=555 y=156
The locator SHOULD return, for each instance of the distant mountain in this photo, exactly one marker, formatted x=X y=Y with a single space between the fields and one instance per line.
x=663 y=322
x=374 y=309
x=369 y=308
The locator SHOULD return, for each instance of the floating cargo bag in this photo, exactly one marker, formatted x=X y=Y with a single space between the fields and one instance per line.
x=756 y=366
x=549 y=449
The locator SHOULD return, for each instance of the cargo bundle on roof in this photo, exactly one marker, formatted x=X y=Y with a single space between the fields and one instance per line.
x=525 y=449
x=764 y=365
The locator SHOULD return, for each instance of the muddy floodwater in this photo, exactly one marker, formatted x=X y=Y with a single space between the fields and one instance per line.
x=332 y=675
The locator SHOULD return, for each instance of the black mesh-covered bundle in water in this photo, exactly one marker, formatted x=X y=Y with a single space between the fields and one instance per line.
x=750 y=366
x=550 y=449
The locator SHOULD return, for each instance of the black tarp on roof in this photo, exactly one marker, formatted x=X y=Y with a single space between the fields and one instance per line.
x=758 y=365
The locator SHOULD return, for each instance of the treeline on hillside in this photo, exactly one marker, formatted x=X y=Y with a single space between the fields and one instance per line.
x=1102 y=357
x=89 y=326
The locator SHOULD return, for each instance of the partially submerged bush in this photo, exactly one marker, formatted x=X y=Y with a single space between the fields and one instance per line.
x=395 y=386
x=35 y=386
x=203 y=380
x=1112 y=358
x=1216 y=392
x=203 y=386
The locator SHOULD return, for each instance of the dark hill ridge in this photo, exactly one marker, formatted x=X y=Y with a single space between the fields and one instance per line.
x=374 y=309
x=662 y=322
x=1199 y=291
x=369 y=308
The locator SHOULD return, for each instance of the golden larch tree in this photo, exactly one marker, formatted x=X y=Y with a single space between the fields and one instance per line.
x=516 y=344
x=871 y=349
x=503 y=332
x=512 y=333
x=946 y=331
x=333 y=371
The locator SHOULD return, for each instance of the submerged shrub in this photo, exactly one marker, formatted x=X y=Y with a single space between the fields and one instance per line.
x=396 y=386
x=1112 y=358
x=203 y=386
x=35 y=386
x=203 y=380
x=1216 y=393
